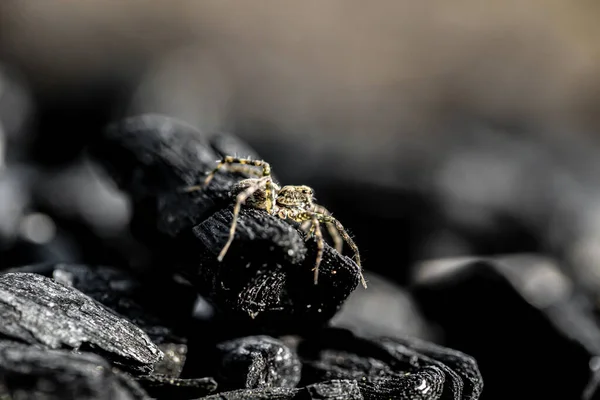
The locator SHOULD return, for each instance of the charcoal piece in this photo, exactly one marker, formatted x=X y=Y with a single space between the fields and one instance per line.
x=255 y=394
x=152 y=158
x=266 y=273
x=337 y=389
x=386 y=366
x=266 y=279
x=162 y=317
x=519 y=316
x=166 y=387
x=28 y=372
x=384 y=310
x=36 y=310
x=256 y=362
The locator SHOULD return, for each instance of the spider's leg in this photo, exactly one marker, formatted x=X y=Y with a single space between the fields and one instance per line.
x=308 y=228
x=229 y=162
x=338 y=242
x=240 y=199
x=320 y=245
x=342 y=231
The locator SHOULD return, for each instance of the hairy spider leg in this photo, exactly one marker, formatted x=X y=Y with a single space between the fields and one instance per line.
x=240 y=199
x=342 y=231
x=338 y=242
x=229 y=162
x=320 y=245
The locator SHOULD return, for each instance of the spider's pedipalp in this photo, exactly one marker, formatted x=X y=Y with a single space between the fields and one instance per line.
x=240 y=199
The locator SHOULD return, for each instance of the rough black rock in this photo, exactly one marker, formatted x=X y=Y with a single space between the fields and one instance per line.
x=390 y=367
x=166 y=387
x=37 y=310
x=330 y=390
x=522 y=298
x=256 y=362
x=30 y=372
x=161 y=308
x=266 y=277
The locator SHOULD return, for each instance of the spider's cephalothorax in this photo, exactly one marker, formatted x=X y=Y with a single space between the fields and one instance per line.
x=288 y=202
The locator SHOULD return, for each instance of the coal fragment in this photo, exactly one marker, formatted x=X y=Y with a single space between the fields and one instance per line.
x=162 y=317
x=29 y=372
x=265 y=279
x=522 y=298
x=37 y=310
x=266 y=273
x=329 y=390
x=256 y=362
x=387 y=367
x=167 y=387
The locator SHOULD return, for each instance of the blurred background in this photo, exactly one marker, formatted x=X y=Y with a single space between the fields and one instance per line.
x=431 y=129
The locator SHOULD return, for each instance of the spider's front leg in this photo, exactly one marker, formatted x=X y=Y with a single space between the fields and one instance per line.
x=240 y=199
x=245 y=166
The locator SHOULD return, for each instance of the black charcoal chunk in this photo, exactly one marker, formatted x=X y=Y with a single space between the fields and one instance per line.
x=337 y=389
x=531 y=331
x=36 y=310
x=166 y=387
x=267 y=274
x=266 y=277
x=384 y=367
x=30 y=372
x=162 y=317
x=254 y=394
x=152 y=158
x=256 y=362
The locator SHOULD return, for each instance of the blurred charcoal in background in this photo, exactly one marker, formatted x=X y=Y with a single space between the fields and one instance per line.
x=457 y=143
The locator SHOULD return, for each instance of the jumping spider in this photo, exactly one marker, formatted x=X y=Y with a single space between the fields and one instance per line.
x=288 y=202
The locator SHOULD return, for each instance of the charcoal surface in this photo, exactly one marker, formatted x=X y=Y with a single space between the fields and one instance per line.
x=525 y=298
x=384 y=367
x=256 y=362
x=37 y=310
x=29 y=372
x=166 y=387
x=266 y=278
x=162 y=317
x=329 y=390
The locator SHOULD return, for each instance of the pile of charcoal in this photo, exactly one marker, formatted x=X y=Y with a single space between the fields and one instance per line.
x=184 y=325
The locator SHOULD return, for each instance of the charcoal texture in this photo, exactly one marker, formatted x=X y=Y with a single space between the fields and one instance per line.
x=130 y=296
x=266 y=277
x=384 y=367
x=167 y=387
x=257 y=362
x=330 y=390
x=28 y=372
x=36 y=310
x=525 y=298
